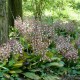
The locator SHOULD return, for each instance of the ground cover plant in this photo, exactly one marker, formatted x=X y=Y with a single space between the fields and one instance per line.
x=58 y=58
x=44 y=44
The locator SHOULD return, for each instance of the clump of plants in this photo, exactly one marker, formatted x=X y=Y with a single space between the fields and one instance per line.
x=40 y=52
x=40 y=36
x=12 y=46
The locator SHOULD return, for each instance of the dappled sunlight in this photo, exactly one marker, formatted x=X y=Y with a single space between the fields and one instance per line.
x=48 y=13
x=39 y=39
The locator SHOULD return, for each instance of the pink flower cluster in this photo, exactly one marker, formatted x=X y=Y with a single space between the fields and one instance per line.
x=11 y=46
x=64 y=25
x=40 y=36
x=66 y=49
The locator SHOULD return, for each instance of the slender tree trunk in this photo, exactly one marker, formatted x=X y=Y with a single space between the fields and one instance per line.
x=14 y=10
x=38 y=7
x=3 y=22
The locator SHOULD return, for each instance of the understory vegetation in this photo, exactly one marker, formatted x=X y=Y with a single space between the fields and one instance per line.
x=45 y=44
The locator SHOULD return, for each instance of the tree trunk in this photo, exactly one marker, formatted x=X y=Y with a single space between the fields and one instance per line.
x=3 y=22
x=38 y=7
x=14 y=10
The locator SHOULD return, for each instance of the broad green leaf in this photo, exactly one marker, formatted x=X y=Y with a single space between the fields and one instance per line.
x=4 y=68
x=7 y=76
x=51 y=77
x=74 y=72
x=35 y=70
x=31 y=75
x=78 y=66
x=15 y=71
x=18 y=64
x=55 y=64
x=3 y=78
x=55 y=58
x=78 y=72
x=1 y=74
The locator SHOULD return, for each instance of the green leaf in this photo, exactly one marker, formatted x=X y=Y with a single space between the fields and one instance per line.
x=55 y=64
x=78 y=66
x=1 y=74
x=31 y=75
x=11 y=78
x=35 y=70
x=7 y=76
x=18 y=64
x=55 y=59
x=2 y=79
x=78 y=72
x=3 y=63
x=11 y=62
x=74 y=72
x=15 y=71
x=15 y=56
x=49 y=54
x=51 y=77
x=5 y=69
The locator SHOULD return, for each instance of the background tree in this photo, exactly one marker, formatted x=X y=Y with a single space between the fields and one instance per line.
x=14 y=10
x=38 y=7
x=3 y=22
